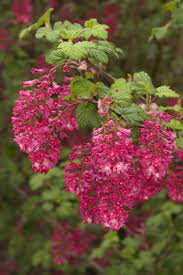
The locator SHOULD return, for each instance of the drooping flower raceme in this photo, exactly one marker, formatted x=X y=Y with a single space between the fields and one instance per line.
x=40 y=121
x=156 y=147
x=68 y=245
x=155 y=154
x=104 y=179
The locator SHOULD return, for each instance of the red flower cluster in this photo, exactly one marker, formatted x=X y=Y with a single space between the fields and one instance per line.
x=149 y=188
x=22 y=10
x=109 y=179
x=40 y=121
x=104 y=180
x=175 y=184
x=155 y=154
x=68 y=245
x=179 y=155
x=156 y=147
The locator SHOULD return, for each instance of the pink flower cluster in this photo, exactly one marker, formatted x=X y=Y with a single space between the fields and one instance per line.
x=148 y=186
x=104 y=179
x=40 y=121
x=179 y=155
x=69 y=245
x=155 y=154
x=175 y=184
x=156 y=147
x=22 y=10
x=113 y=174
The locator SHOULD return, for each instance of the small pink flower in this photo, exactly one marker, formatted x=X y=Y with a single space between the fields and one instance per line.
x=29 y=83
x=66 y=69
x=38 y=71
x=83 y=66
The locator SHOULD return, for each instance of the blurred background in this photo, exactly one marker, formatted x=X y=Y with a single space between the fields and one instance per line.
x=35 y=210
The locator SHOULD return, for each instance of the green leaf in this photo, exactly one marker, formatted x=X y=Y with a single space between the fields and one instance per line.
x=47 y=33
x=52 y=194
x=177 y=108
x=101 y=90
x=64 y=210
x=47 y=206
x=97 y=56
x=121 y=93
x=93 y=28
x=55 y=57
x=179 y=142
x=87 y=116
x=109 y=48
x=145 y=259
x=100 y=52
x=175 y=124
x=121 y=85
x=82 y=87
x=159 y=246
x=142 y=83
x=75 y=51
x=170 y=208
x=160 y=32
x=96 y=52
x=121 y=99
x=133 y=115
x=110 y=239
x=43 y=256
x=67 y=30
x=165 y=91
x=89 y=75
x=131 y=246
x=44 y=19
x=170 y=5
x=37 y=180
x=177 y=17
x=134 y=242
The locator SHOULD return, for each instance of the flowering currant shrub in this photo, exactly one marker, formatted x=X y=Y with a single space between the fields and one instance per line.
x=91 y=137
x=115 y=170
